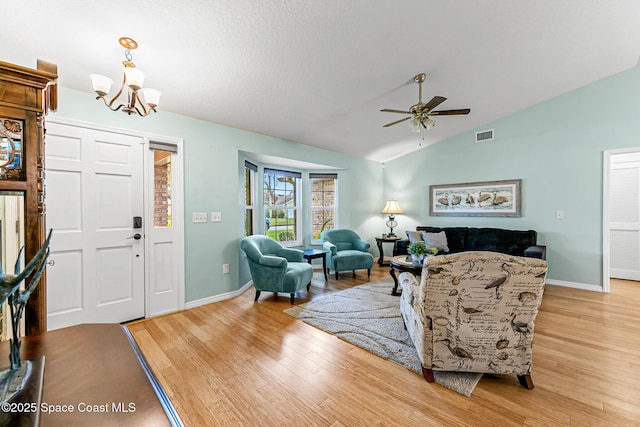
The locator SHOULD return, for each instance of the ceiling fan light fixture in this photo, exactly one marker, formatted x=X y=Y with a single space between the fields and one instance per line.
x=418 y=114
x=414 y=125
x=428 y=123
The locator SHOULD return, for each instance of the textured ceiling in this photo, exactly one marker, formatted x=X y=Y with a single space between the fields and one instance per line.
x=318 y=72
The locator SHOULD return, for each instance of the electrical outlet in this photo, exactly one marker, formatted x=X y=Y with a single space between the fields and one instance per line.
x=225 y=268
x=216 y=216
x=199 y=217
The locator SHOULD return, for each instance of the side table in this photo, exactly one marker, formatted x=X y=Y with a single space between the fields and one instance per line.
x=386 y=239
x=402 y=263
x=311 y=254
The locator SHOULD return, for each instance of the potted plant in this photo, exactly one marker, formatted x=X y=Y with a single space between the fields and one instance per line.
x=418 y=250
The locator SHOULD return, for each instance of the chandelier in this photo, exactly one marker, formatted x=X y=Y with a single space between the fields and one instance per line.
x=132 y=82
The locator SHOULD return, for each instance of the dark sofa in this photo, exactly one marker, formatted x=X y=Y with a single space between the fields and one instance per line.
x=460 y=239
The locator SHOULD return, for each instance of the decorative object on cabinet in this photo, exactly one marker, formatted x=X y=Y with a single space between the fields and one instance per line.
x=132 y=82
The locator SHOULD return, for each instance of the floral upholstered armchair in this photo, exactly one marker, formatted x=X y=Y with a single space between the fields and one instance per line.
x=474 y=312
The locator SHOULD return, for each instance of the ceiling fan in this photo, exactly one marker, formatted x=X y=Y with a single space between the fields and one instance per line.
x=420 y=113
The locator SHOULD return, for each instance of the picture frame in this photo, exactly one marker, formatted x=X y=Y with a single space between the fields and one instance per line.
x=487 y=198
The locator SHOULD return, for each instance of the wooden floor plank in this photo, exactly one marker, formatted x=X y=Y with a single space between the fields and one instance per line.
x=240 y=362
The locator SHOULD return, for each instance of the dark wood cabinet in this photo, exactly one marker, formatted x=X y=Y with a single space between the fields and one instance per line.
x=26 y=95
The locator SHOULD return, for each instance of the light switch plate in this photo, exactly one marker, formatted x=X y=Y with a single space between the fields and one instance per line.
x=216 y=216
x=199 y=217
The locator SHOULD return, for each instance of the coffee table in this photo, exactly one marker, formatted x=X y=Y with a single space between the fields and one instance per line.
x=403 y=263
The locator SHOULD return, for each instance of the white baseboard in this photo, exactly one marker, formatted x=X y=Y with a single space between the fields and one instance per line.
x=217 y=298
x=576 y=285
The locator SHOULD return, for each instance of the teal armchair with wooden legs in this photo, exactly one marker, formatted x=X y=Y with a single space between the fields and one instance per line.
x=275 y=268
x=346 y=251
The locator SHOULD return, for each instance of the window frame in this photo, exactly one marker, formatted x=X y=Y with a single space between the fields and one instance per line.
x=296 y=209
x=250 y=171
x=334 y=207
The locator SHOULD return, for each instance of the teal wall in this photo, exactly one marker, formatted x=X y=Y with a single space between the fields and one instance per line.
x=556 y=148
x=212 y=183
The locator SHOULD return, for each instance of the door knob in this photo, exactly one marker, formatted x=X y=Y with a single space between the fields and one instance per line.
x=136 y=236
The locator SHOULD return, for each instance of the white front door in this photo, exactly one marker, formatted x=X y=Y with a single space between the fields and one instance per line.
x=94 y=189
x=624 y=216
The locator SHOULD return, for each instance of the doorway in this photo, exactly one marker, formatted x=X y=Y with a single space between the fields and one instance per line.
x=621 y=216
x=104 y=262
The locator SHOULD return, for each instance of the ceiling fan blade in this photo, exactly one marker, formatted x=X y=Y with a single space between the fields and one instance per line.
x=386 y=110
x=396 y=122
x=450 y=112
x=435 y=101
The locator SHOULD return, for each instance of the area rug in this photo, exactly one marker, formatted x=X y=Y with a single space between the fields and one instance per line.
x=369 y=316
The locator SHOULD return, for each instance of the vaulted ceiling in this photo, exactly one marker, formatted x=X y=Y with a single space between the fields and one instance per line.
x=318 y=72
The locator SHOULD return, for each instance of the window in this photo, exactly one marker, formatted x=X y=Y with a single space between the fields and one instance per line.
x=323 y=203
x=162 y=177
x=249 y=198
x=282 y=206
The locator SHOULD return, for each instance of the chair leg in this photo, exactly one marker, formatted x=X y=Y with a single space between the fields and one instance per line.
x=257 y=295
x=368 y=273
x=336 y=274
x=308 y=286
x=354 y=273
x=293 y=297
x=526 y=381
x=427 y=374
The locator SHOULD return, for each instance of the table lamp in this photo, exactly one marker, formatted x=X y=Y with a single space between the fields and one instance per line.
x=392 y=208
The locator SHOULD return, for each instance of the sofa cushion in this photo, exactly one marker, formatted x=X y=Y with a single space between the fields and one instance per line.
x=414 y=236
x=512 y=242
x=437 y=240
x=456 y=236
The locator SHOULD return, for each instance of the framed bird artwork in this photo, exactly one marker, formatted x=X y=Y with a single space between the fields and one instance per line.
x=488 y=198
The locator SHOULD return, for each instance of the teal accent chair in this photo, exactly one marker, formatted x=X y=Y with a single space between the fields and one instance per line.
x=275 y=268
x=346 y=251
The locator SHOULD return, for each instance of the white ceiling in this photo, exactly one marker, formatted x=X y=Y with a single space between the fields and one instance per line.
x=318 y=72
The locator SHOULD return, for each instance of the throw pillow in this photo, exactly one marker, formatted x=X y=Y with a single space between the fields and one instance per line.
x=414 y=236
x=437 y=240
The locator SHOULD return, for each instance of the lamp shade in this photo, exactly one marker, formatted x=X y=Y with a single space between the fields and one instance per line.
x=151 y=96
x=101 y=84
x=414 y=125
x=392 y=207
x=135 y=77
x=428 y=123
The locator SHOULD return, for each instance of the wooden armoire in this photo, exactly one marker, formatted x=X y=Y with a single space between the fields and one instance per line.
x=26 y=95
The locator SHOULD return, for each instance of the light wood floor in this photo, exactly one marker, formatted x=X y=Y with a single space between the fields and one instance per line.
x=242 y=363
